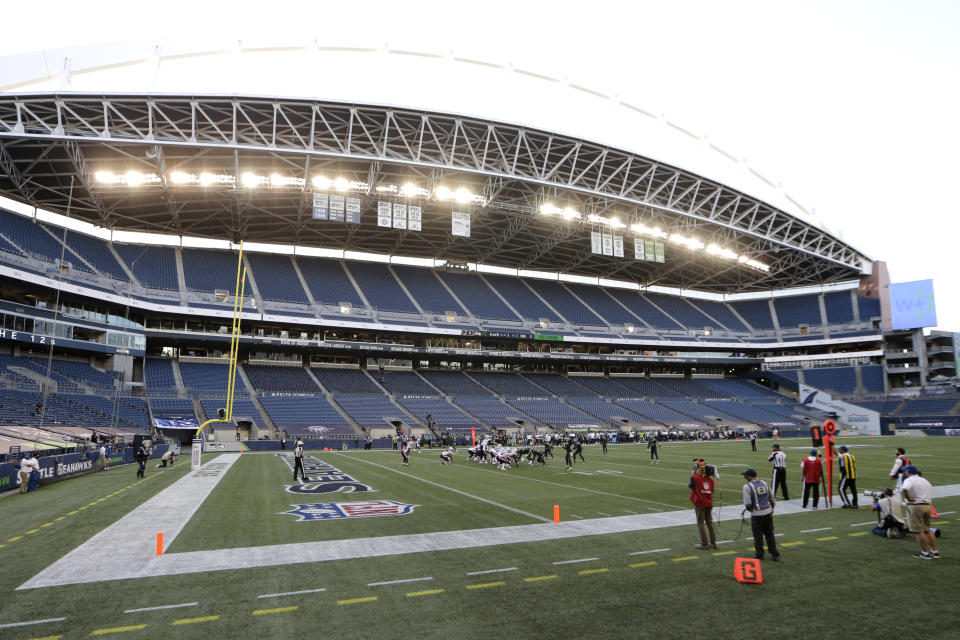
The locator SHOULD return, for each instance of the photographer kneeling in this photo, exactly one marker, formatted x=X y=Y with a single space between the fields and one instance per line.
x=890 y=522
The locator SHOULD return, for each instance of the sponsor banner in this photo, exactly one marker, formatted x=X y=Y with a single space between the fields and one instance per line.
x=848 y=414
x=69 y=465
x=336 y=510
x=414 y=218
x=460 y=224
x=320 y=206
x=176 y=423
x=927 y=422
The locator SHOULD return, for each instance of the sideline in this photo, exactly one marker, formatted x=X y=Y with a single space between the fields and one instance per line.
x=165 y=512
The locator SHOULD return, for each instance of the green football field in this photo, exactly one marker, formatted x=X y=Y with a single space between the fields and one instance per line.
x=469 y=551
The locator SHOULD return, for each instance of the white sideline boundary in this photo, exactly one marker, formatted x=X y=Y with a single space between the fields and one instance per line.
x=132 y=538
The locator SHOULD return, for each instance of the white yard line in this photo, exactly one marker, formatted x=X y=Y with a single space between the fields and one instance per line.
x=380 y=584
x=457 y=491
x=576 y=561
x=483 y=573
x=641 y=553
x=863 y=524
x=815 y=530
x=165 y=606
x=291 y=593
x=11 y=625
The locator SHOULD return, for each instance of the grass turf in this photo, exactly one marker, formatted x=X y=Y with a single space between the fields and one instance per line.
x=616 y=595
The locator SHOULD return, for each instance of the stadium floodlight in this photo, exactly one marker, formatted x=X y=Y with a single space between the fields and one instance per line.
x=252 y=180
x=754 y=263
x=615 y=223
x=341 y=184
x=550 y=209
x=207 y=179
x=133 y=178
x=411 y=190
x=571 y=214
x=181 y=177
x=107 y=177
x=715 y=250
x=463 y=195
x=277 y=180
x=643 y=229
x=443 y=193
x=629 y=327
x=322 y=182
x=690 y=243
x=387 y=188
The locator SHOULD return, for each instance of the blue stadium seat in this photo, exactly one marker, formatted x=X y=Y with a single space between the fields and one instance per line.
x=837 y=379
x=566 y=305
x=154 y=267
x=478 y=297
x=796 y=310
x=558 y=385
x=755 y=312
x=507 y=384
x=283 y=378
x=454 y=383
x=426 y=289
x=642 y=308
x=681 y=310
x=405 y=382
x=869 y=308
x=521 y=298
x=276 y=278
x=872 y=376
x=839 y=307
x=380 y=288
x=721 y=313
x=205 y=270
x=603 y=304
x=345 y=380
x=97 y=253
x=492 y=411
x=328 y=282
x=371 y=411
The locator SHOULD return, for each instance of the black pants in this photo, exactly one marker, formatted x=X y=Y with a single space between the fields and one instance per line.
x=780 y=480
x=604 y=444
x=807 y=488
x=845 y=484
x=753 y=444
x=298 y=465
x=141 y=464
x=763 y=529
x=654 y=454
x=569 y=459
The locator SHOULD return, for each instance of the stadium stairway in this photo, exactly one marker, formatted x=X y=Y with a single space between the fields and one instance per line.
x=178 y=376
x=252 y=288
x=333 y=403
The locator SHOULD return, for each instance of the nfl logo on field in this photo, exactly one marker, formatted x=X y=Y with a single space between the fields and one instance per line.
x=365 y=509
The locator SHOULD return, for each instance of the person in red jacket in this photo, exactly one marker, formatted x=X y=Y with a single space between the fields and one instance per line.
x=703 y=485
x=812 y=468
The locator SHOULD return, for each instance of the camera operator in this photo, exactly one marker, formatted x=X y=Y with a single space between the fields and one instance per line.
x=890 y=522
x=703 y=486
x=917 y=492
x=759 y=501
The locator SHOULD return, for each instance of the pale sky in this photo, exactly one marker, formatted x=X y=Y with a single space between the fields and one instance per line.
x=852 y=106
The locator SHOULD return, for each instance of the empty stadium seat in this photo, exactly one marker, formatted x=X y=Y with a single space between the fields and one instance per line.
x=276 y=278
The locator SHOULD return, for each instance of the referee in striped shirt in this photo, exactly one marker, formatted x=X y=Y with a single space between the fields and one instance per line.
x=779 y=460
x=848 y=478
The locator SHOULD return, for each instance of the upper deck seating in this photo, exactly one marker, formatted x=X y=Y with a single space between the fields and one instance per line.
x=479 y=299
x=209 y=271
x=154 y=267
x=755 y=312
x=454 y=383
x=426 y=289
x=565 y=304
x=283 y=378
x=344 y=380
x=644 y=309
x=521 y=298
x=721 y=313
x=796 y=310
x=380 y=288
x=839 y=307
x=507 y=384
x=328 y=282
x=604 y=305
x=680 y=310
x=276 y=278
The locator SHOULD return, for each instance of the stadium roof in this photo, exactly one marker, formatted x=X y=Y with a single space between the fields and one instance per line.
x=52 y=141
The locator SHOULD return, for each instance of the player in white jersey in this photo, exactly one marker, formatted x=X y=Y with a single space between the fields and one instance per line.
x=446 y=455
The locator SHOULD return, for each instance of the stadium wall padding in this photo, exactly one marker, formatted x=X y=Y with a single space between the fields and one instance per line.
x=70 y=465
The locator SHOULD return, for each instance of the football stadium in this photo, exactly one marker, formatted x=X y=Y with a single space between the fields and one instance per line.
x=499 y=341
